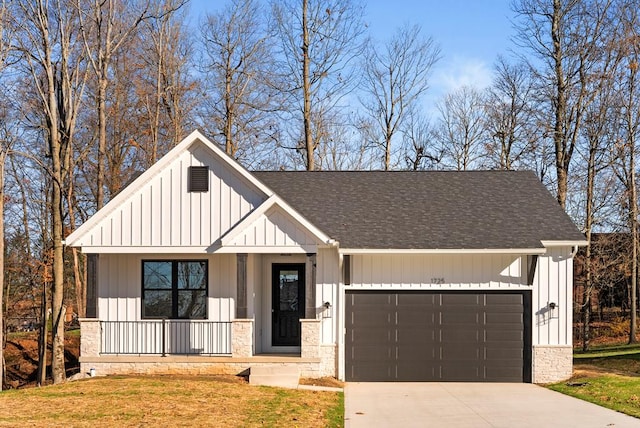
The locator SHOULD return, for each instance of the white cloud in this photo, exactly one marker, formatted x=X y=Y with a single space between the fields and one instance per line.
x=453 y=73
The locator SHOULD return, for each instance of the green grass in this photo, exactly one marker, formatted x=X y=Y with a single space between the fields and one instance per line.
x=633 y=351
x=620 y=393
x=610 y=377
x=335 y=414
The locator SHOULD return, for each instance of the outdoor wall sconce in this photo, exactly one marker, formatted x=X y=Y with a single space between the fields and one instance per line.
x=552 y=307
x=326 y=313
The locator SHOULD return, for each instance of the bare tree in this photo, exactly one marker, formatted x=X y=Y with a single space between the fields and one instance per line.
x=394 y=77
x=460 y=131
x=164 y=84
x=318 y=42
x=54 y=63
x=629 y=129
x=236 y=58
x=565 y=38
x=600 y=134
x=418 y=135
x=509 y=115
x=5 y=144
x=106 y=25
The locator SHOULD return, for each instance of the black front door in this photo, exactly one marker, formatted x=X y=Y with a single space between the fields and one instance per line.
x=288 y=304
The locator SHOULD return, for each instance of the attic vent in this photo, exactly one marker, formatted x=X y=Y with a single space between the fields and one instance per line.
x=198 y=179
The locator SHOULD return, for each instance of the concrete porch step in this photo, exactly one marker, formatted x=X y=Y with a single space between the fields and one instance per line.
x=277 y=375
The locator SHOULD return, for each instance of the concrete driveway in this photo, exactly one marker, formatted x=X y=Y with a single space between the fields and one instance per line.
x=473 y=405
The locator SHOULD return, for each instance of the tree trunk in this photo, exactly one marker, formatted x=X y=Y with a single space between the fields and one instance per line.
x=306 y=89
x=3 y=155
x=633 y=220
x=44 y=332
x=588 y=286
x=58 y=371
x=560 y=103
x=102 y=140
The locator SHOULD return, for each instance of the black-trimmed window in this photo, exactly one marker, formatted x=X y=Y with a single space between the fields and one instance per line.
x=174 y=289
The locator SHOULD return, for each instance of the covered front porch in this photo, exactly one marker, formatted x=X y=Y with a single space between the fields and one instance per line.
x=262 y=309
x=108 y=349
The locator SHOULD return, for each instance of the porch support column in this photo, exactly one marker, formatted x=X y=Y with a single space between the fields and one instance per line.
x=310 y=329
x=89 y=337
x=241 y=338
x=241 y=297
x=310 y=287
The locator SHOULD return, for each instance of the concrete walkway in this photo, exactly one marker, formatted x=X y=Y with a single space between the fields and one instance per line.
x=473 y=405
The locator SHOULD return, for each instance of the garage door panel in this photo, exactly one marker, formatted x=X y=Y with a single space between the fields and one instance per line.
x=382 y=337
x=503 y=299
x=417 y=338
x=374 y=353
x=418 y=373
x=458 y=299
x=450 y=318
x=503 y=355
x=504 y=319
x=372 y=372
x=437 y=336
x=414 y=316
x=460 y=373
x=502 y=373
x=459 y=352
x=459 y=336
x=504 y=336
x=420 y=300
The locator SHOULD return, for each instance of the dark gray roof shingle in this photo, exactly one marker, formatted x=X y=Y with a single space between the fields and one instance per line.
x=426 y=209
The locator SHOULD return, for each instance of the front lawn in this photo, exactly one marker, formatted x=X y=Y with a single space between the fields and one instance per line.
x=220 y=401
x=608 y=377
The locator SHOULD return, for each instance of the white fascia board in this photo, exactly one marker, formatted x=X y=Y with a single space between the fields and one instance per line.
x=443 y=251
x=156 y=168
x=262 y=209
x=432 y=287
x=548 y=244
x=145 y=250
x=303 y=249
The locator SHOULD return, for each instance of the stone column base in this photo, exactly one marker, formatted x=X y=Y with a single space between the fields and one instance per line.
x=552 y=363
x=310 y=329
x=242 y=338
x=89 y=337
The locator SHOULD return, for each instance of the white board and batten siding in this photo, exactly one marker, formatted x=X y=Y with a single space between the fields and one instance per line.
x=274 y=231
x=553 y=283
x=164 y=215
x=437 y=272
x=120 y=285
x=328 y=278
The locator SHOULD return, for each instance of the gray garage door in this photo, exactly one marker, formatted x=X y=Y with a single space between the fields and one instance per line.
x=466 y=337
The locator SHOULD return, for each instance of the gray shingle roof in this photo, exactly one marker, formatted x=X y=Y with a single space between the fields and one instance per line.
x=426 y=209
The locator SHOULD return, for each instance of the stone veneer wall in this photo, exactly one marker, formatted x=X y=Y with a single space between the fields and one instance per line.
x=89 y=337
x=109 y=365
x=242 y=334
x=552 y=363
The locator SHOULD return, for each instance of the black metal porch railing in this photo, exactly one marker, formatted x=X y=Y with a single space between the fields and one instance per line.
x=162 y=337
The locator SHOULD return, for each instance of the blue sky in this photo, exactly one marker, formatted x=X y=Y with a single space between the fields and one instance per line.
x=471 y=33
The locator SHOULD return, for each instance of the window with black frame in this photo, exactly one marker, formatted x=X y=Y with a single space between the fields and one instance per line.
x=174 y=289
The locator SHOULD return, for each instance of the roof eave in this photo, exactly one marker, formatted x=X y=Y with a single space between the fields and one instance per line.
x=565 y=243
x=520 y=251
